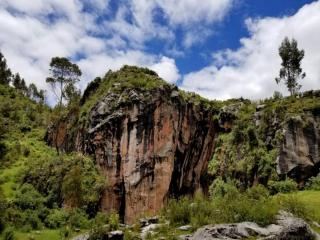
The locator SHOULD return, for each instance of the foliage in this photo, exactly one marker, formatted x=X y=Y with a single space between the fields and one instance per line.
x=78 y=219
x=64 y=75
x=285 y=186
x=290 y=71
x=220 y=188
x=5 y=72
x=52 y=176
x=291 y=203
x=9 y=234
x=114 y=221
x=27 y=197
x=313 y=183
x=3 y=207
x=254 y=205
x=56 y=219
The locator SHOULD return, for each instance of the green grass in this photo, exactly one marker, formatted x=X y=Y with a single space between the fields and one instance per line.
x=39 y=235
x=9 y=177
x=45 y=234
x=312 y=200
x=37 y=148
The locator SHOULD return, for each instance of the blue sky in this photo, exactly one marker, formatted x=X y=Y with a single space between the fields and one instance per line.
x=217 y=48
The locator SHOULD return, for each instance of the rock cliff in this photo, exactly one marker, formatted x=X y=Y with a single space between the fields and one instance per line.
x=299 y=156
x=150 y=143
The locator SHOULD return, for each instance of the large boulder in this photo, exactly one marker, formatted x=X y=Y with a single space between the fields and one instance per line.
x=287 y=227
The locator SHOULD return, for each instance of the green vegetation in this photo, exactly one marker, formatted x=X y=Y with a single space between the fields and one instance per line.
x=50 y=195
x=64 y=75
x=248 y=152
x=313 y=183
x=128 y=77
x=285 y=186
x=226 y=207
x=34 y=180
x=291 y=71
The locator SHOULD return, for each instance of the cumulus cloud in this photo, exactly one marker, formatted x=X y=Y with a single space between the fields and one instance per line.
x=138 y=20
x=250 y=70
x=167 y=69
x=34 y=32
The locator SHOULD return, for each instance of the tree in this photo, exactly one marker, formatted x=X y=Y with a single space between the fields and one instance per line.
x=5 y=72
x=72 y=189
x=290 y=71
x=20 y=84
x=64 y=75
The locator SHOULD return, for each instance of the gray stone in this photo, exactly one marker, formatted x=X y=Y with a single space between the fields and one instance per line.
x=185 y=228
x=288 y=227
x=116 y=235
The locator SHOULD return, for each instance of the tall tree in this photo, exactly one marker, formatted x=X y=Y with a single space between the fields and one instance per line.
x=291 y=70
x=5 y=72
x=64 y=75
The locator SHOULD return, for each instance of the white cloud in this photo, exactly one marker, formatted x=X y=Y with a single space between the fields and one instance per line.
x=138 y=21
x=188 y=12
x=250 y=70
x=167 y=69
x=29 y=40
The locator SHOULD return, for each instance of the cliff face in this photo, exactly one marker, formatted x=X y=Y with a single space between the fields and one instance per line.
x=148 y=150
x=299 y=156
x=275 y=139
x=149 y=145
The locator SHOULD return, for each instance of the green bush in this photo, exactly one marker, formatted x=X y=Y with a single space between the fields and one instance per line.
x=292 y=204
x=79 y=219
x=220 y=188
x=178 y=212
x=31 y=218
x=27 y=197
x=258 y=192
x=57 y=218
x=9 y=234
x=226 y=207
x=73 y=179
x=313 y=183
x=3 y=207
x=114 y=221
x=285 y=186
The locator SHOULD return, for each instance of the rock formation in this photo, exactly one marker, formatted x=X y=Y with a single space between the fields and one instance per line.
x=288 y=227
x=299 y=154
x=149 y=145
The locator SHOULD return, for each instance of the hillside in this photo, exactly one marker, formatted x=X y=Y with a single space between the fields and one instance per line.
x=135 y=146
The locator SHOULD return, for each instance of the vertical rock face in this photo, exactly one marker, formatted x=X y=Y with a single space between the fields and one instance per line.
x=299 y=155
x=149 y=145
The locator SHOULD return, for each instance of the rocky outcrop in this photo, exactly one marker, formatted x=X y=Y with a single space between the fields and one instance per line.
x=149 y=145
x=287 y=228
x=299 y=156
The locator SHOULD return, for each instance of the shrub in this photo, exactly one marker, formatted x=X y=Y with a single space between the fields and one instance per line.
x=178 y=212
x=114 y=221
x=27 y=197
x=3 y=207
x=285 y=186
x=258 y=192
x=292 y=204
x=313 y=183
x=73 y=179
x=57 y=218
x=220 y=188
x=79 y=219
x=31 y=218
x=254 y=205
x=8 y=234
